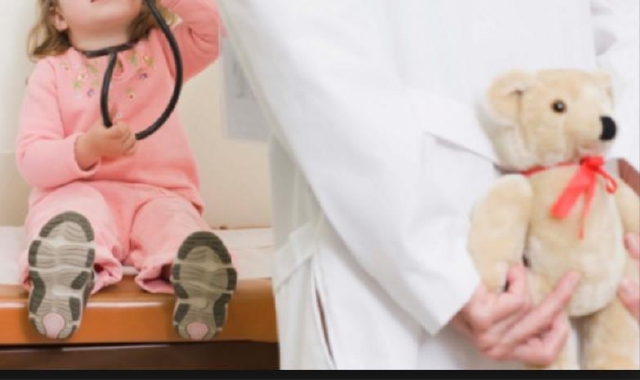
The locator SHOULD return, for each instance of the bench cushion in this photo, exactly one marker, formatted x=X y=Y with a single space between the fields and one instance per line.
x=124 y=314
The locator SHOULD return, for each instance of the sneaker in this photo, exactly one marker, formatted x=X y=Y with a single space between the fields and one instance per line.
x=204 y=280
x=61 y=271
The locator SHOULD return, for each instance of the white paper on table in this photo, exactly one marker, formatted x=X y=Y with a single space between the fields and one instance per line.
x=252 y=250
x=12 y=242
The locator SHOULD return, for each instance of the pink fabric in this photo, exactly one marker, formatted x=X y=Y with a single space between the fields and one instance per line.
x=157 y=189
x=134 y=224
x=62 y=101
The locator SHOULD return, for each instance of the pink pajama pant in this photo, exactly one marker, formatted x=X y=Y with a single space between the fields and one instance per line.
x=136 y=225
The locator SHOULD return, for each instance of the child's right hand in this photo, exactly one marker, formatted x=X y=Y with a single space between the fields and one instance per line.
x=104 y=143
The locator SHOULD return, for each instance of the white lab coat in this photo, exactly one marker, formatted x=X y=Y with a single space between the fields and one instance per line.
x=377 y=157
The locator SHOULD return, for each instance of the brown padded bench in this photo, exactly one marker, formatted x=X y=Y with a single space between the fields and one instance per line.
x=123 y=316
x=126 y=328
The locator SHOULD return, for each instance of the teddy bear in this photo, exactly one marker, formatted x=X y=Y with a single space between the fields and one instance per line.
x=557 y=209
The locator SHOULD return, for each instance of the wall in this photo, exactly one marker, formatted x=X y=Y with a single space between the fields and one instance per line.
x=235 y=179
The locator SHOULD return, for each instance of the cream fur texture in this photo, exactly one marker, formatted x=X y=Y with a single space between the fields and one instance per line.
x=541 y=120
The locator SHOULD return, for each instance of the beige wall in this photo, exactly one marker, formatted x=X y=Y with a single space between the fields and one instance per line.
x=235 y=180
x=235 y=176
x=13 y=193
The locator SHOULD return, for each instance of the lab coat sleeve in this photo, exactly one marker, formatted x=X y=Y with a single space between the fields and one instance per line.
x=328 y=84
x=197 y=35
x=617 y=36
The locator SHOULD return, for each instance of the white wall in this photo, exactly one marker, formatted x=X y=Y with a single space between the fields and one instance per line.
x=235 y=181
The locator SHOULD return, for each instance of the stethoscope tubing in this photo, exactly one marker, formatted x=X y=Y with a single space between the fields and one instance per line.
x=179 y=78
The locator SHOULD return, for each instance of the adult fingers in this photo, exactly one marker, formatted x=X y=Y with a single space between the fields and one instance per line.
x=630 y=296
x=461 y=324
x=545 y=350
x=632 y=242
x=517 y=298
x=511 y=308
x=539 y=319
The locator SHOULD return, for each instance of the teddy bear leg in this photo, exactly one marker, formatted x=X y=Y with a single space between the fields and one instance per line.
x=568 y=357
x=612 y=335
x=610 y=339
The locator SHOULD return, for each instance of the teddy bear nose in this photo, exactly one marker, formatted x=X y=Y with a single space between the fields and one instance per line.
x=609 y=129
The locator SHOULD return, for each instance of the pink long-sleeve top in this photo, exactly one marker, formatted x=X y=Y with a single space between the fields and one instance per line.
x=63 y=101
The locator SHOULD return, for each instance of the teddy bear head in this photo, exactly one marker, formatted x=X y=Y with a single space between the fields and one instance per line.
x=549 y=117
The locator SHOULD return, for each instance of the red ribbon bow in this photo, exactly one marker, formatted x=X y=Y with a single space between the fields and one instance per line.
x=584 y=182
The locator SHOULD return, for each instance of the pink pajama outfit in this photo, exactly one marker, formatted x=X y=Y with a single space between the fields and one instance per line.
x=141 y=207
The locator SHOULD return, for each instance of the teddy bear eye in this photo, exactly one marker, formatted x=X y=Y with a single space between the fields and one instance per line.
x=559 y=106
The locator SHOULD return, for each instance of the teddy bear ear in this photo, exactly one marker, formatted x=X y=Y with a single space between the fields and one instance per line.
x=504 y=95
x=604 y=81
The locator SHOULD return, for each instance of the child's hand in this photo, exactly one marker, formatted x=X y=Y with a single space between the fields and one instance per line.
x=102 y=143
x=507 y=326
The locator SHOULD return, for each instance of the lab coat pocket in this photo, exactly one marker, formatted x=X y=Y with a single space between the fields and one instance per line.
x=304 y=343
x=320 y=317
x=300 y=247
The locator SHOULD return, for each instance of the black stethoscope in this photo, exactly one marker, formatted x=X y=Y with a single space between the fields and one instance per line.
x=112 y=52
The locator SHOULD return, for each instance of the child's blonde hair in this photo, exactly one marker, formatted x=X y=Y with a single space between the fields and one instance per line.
x=45 y=40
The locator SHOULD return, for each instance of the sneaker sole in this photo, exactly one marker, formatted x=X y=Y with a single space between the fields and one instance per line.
x=61 y=270
x=204 y=280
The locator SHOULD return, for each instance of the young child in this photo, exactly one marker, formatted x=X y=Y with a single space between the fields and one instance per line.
x=101 y=199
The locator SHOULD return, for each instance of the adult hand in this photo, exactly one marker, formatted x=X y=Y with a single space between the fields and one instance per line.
x=630 y=290
x=508 y=326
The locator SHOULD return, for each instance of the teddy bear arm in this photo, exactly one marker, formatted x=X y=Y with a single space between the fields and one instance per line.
x=499 y=227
